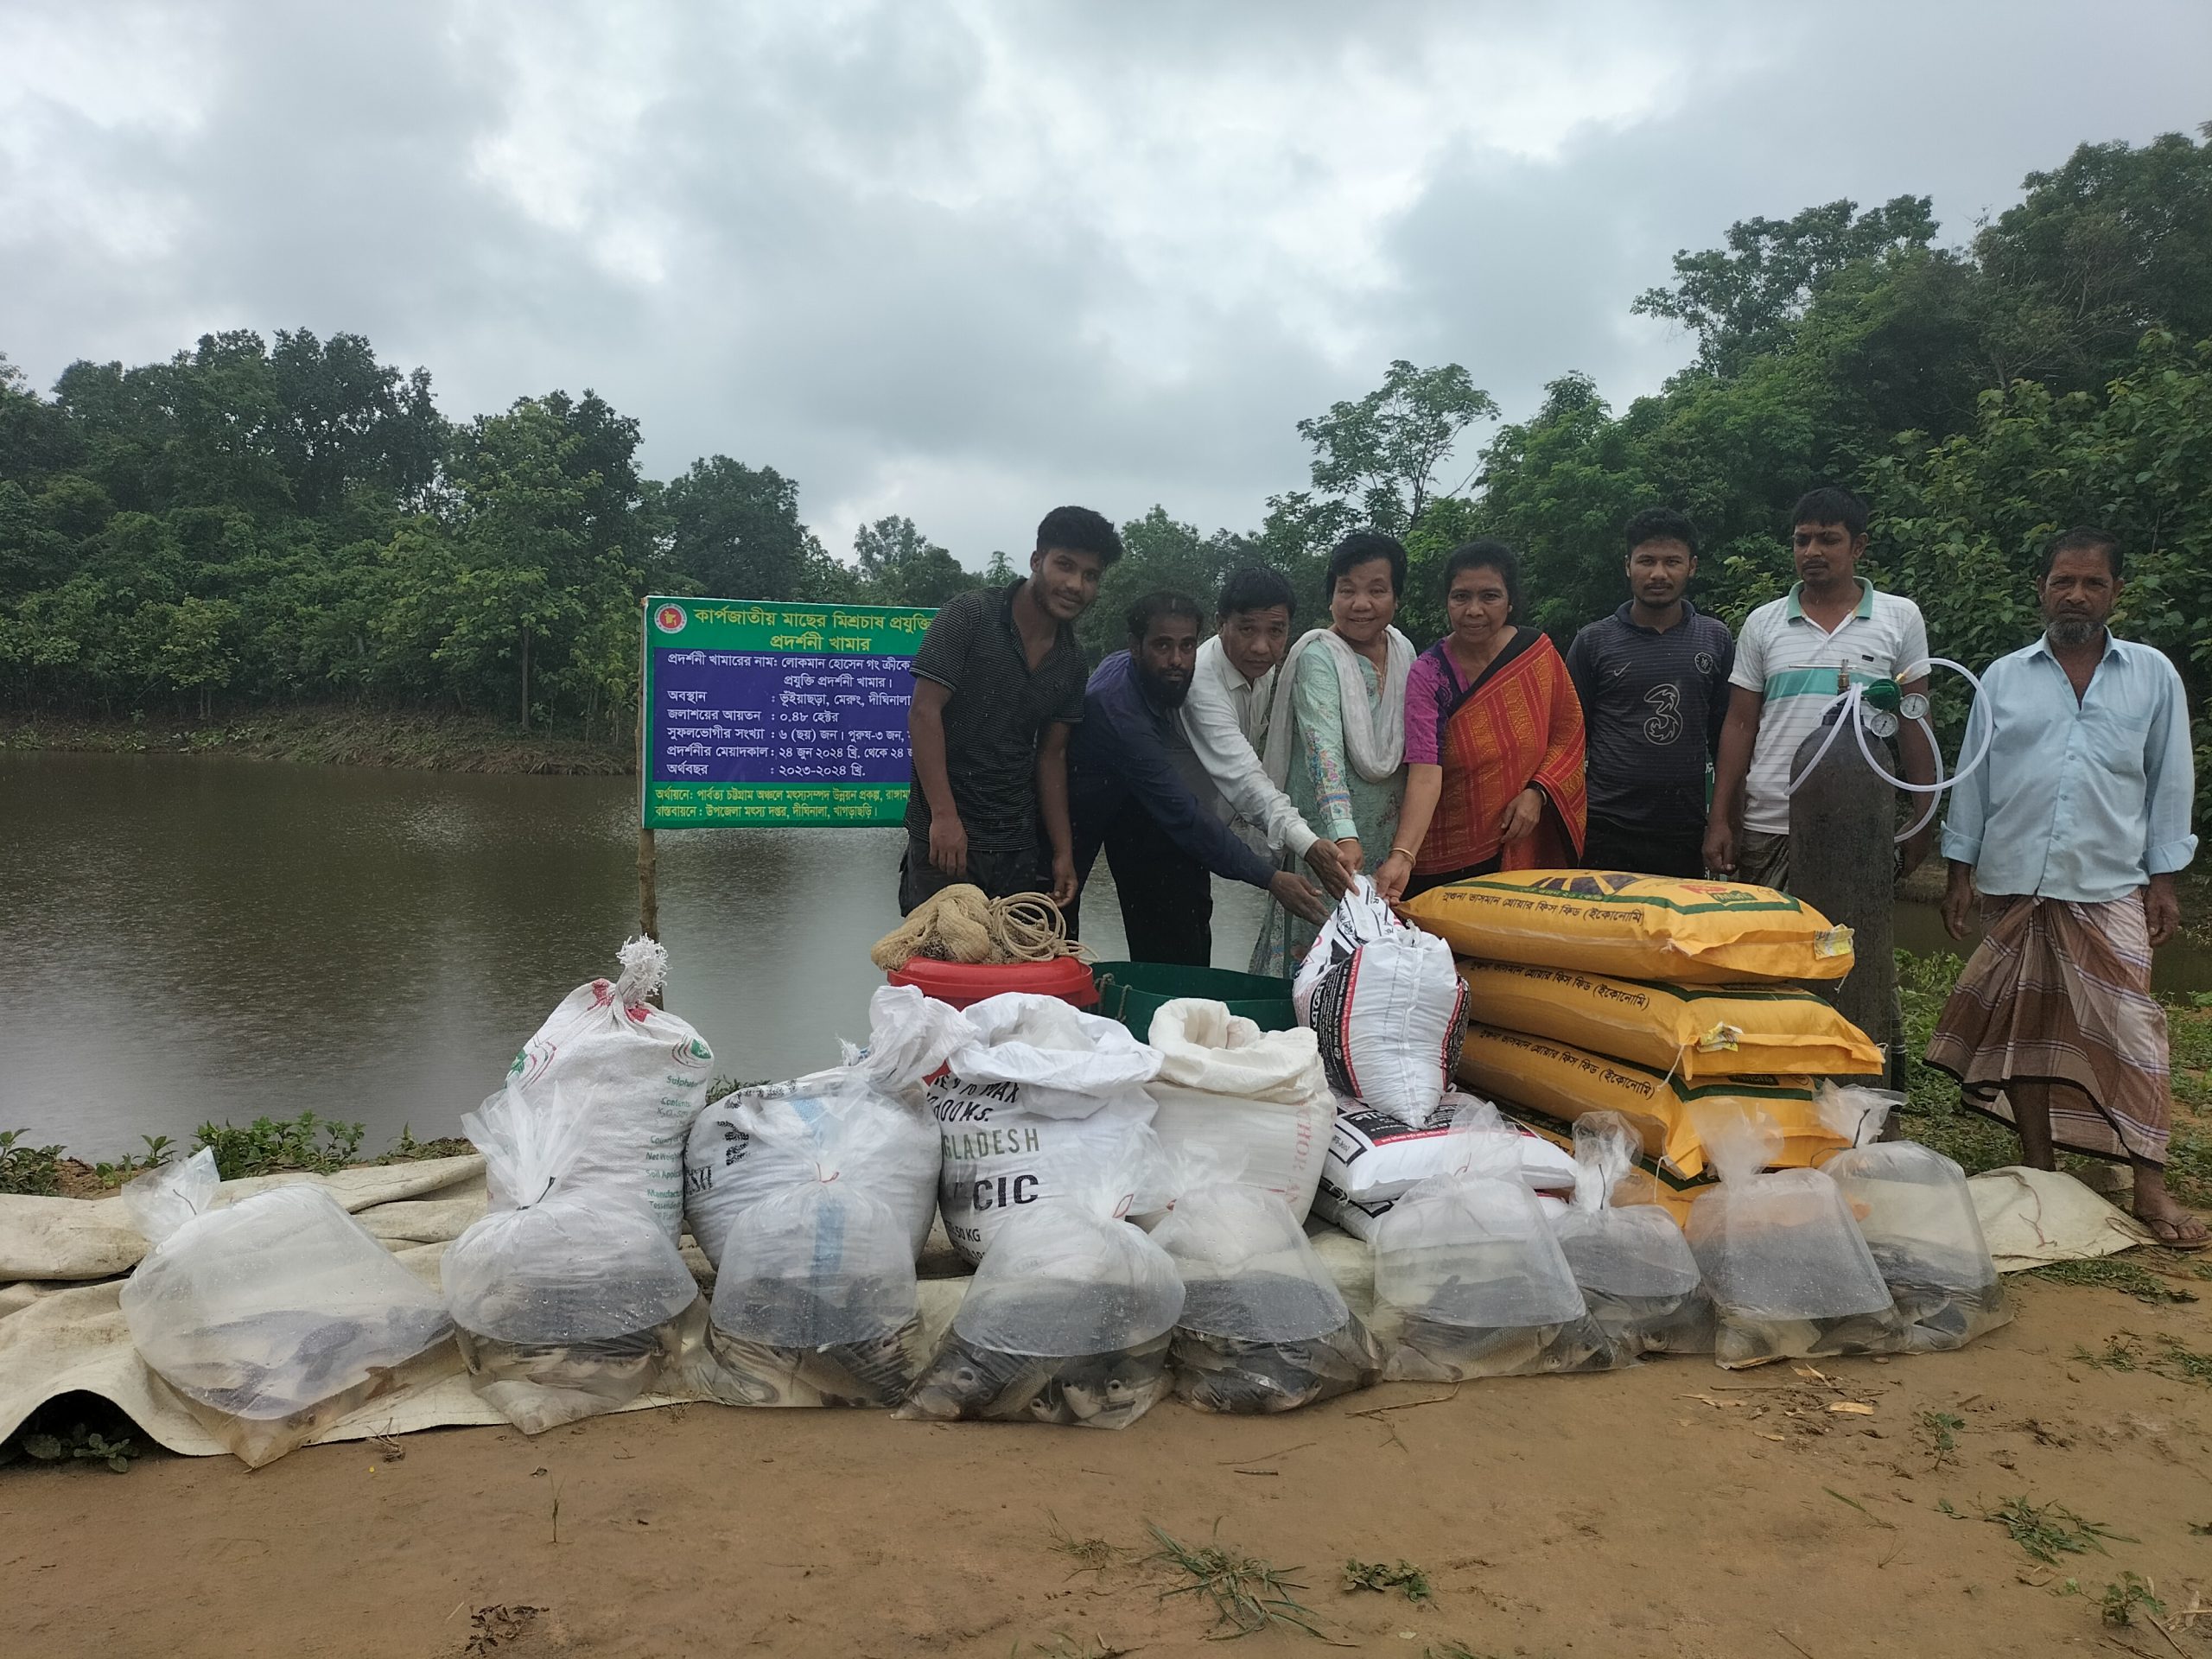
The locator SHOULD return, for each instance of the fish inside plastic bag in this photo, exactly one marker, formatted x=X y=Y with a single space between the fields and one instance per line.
x=815 y=1302
x=272 y=1316
x=1916 y=1214
x=1263 y=1327
x=1786 y=1268
x=1634 y=1266
x=1469 y=1278
x=1068 y=1318
x=569 y=1299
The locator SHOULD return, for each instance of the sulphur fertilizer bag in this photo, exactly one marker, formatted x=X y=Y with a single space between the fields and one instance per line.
x=1373 y=1161
x=1385 y=1007
x=568 y=1295
x=1786 y=1267
x=1916 y=1214
x=634 y=1077
x=756 y=1144
x=1563 y=1082
x=1632 y=1263
x=1256 y=1099
x=1042 y=1093
x=272 y=1316
x=1635 y=926
x=1699 y=1033
x=1469 y=1278
x=1068 y=1320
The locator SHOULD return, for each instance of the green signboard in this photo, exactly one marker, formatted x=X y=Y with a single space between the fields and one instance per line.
x=776 y=714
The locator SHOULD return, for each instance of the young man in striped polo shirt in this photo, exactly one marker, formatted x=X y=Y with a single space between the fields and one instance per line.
x=1787 y=658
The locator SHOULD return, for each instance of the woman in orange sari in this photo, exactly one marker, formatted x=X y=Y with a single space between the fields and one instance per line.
x=1493 y=740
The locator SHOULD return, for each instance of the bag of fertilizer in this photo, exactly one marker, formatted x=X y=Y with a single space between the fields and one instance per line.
x=1263 y=1327
x=1783 y=1262
x=815 y=1302
x=1916 y=1212
x=570 y=1299
x=1563 y=1083
x=1469 y=1279
x=272 y=1316
x=759 y=1142
x=1373 y=1159
x=1701 y=1033
x=634 y=1075
x=1634 y=1268
x=1384 y=1005
x=1229 y=1091
x=1635 y=926
x=1067 y=1321
x=1043 y=1092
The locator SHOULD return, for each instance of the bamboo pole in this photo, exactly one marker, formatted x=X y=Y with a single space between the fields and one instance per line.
x=648 y=856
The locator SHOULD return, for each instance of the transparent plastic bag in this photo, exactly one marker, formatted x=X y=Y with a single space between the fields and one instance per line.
x=569 y=1299
x=1787 y=1269
x=1634 y=1268
x=816 y=1303
x=1469 y=1279
x=1067 y=1320
x=1916 y=1212
x=1263 y=1326
x=273 y=1317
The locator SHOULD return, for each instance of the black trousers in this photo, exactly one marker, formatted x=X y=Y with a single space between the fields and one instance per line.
x=1000 y=874
x=1675 y=850
x=1166 y=894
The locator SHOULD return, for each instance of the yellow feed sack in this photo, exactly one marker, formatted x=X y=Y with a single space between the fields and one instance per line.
x=1648 y=1182
x=1637 y=926
x=1699 y=1031
x=1565 y=1082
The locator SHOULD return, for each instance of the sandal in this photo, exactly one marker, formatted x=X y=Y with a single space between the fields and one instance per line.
x=2184 y=1234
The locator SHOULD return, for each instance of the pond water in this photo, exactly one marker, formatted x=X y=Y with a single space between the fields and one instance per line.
x=188 y=938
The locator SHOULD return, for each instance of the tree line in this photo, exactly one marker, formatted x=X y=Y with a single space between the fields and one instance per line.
x=254 y=523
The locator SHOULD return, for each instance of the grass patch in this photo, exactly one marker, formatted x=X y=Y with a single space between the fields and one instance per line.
x=2113 y=1273
x=268 y=1144
x=2172 y=1358
x=1381 y=1578
x=1089 y=1555
x=1247 y=1595
x=2049 y=1530
x=30 y=1171
x=2124 y=1595
x=1942 y=1429
x=415 y=740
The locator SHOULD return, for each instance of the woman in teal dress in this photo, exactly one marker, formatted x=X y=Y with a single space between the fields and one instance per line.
x=1337 y=735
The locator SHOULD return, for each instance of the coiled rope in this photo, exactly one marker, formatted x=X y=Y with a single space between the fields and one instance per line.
x=959 y=924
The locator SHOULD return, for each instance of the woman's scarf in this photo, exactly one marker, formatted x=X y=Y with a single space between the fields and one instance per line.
x=1374 y=740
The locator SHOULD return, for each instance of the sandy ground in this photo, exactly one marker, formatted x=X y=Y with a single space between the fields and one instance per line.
x=1672 y=1510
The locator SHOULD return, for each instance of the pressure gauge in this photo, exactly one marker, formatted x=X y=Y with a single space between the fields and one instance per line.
x=1915 y=706
x=1880 y=722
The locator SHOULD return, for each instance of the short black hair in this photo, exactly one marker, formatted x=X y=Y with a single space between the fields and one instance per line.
x=1487 y=554
x=1080 y=530
x=2082 y=538
x=1830 y=504
x=1255 y=587
x=1364 y=547
x=1161 y=602
x=1661 y=524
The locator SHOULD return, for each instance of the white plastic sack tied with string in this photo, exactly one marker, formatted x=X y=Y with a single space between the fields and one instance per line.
x=1916 y=1212
x=634 y=1075
x=1634 y=1266
x=1043 y=1093
x=1229 y=1091
x=1385 y=1005
x=1787 y=1269
x=1263 y=1327
x=272 y=1316
x=570 y=1298
x=754 y=1145
x=1470 y=1280
x=815 y=1302
x=1067 y=1320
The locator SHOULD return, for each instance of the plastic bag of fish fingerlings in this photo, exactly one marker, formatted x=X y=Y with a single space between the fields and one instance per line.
x=1067 y=1320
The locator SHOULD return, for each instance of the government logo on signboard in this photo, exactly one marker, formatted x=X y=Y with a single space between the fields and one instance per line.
x=669 y=618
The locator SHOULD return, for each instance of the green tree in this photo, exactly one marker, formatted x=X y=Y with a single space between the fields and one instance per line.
x=733 y=531
x=900 y=566
x=1376 y=459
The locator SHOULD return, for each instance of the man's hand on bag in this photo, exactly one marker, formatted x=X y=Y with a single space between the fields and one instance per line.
x=1298 y=896
x=1328 y=865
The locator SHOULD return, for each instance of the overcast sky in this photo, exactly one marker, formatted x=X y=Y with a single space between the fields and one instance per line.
x=966 y=262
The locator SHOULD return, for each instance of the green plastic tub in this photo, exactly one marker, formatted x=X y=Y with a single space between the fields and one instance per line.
x=1132 y=992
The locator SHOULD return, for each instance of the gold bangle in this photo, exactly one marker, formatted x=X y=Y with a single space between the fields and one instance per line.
x=1407 y=852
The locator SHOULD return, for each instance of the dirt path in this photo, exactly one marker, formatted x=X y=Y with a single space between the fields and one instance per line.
x=1672 y=1510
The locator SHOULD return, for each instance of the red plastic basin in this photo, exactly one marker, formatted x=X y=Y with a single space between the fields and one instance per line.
x=962 y=982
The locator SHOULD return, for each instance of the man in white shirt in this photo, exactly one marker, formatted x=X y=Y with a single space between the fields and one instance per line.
x=1224 y=718
x=1787 y=662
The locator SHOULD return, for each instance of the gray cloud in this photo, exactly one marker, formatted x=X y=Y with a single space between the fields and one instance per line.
x=966 y=262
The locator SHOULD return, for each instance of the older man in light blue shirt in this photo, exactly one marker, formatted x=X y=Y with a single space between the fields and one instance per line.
x=2072 y=830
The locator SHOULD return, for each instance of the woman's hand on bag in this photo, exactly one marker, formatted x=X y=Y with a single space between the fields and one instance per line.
x=1391 y=878
x=1519 y=819
x=1354 y=859
x=1298 y=896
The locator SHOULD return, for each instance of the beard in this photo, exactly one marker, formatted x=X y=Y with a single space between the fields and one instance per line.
x=2072 y=632
x=1163 y=694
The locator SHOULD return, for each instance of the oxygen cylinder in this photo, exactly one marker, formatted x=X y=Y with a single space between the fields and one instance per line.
x=1843 y=823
